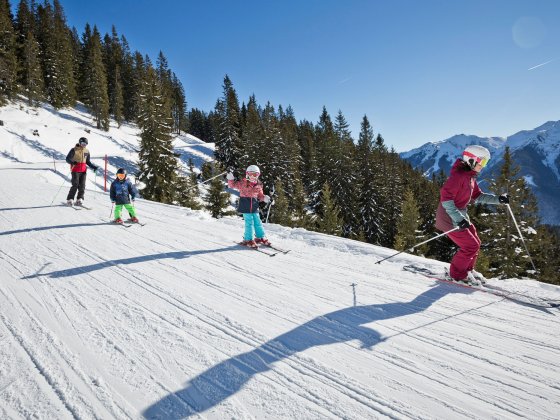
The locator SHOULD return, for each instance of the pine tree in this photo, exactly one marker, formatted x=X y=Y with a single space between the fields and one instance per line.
x=280 y=212
x=344 y=184
x=329 y=221
x=57 y=55
x=178 y=105
x=95 y=81
x=217 y=198
x=301 y=218
x=229 y=147
x=113 y=58
x=31 y=75
x=253 y=136
x=407 y=226
x=198 y=124
x=508 y=258
x=369 y=194
x=8 y=57
x=187 y=192
x=158 y=164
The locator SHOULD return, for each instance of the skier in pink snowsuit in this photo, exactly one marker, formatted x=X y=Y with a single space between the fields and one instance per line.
x=457 y=193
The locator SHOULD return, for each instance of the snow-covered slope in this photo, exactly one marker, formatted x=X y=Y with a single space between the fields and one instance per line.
x=173 y=319
x=44 y=134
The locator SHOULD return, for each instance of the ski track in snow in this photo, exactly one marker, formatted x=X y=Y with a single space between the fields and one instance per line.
x=104 y=322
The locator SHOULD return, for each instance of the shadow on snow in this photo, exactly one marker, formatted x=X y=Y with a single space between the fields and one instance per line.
x=223 y=380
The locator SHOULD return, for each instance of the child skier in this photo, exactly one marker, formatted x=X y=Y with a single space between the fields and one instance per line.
x=250 y=193
x=459 y=190
x=122 y=191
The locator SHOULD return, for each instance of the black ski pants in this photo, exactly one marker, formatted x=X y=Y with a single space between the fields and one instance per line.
x=78 y=184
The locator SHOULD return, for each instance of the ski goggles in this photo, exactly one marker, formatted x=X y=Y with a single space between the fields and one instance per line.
x=481 y=161
x=83 y=143
x=252 y=174
x=121 y=176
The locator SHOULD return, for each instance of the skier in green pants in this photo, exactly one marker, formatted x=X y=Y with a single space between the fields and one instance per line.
x=122 y=195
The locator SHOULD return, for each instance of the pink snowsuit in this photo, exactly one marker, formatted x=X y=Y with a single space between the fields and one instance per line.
x=459 y=190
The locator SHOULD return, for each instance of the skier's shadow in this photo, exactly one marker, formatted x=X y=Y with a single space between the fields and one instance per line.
x=177 y=255
x=223 y=380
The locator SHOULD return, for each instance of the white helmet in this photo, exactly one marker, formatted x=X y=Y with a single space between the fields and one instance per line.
x=253 y=168
x=476 y=154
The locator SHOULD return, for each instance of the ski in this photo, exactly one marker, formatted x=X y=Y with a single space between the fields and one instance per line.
x=486 y=288
x=280 y=250
x=126 y=225
x=128 y=221
x=76 y=207
x=258 y=249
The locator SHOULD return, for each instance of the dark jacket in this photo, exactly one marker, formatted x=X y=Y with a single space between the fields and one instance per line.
x=78 y=158
x=457 y=193
x=122 y=191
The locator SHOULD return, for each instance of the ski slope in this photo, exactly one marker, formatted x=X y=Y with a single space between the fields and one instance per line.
x=174 y=320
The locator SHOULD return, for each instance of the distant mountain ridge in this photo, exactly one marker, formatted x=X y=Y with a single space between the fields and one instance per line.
x=537 y=152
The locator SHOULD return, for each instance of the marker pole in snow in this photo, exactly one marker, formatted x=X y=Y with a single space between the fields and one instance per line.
x=521 y=236
x=417 y=245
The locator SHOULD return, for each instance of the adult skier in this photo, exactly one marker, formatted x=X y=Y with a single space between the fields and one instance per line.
x=250 y=193
x=122 y=194
x=79 y=160
x=457 y=193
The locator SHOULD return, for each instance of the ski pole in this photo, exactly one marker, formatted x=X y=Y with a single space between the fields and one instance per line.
x=209 y=179
x=417 y=245
x=268 y=211
x=58 y=192
x=112 y=205
x=270 y=205
x=521 y=236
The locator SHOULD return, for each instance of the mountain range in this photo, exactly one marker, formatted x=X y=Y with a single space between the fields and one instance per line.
x=536 y=152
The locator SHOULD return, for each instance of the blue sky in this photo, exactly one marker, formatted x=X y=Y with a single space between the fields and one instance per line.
x=421 y=70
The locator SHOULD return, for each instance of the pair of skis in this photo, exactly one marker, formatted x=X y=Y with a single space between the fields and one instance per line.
x=535 y=301
x=127 y=223
x=269 y=250
x=77 y=206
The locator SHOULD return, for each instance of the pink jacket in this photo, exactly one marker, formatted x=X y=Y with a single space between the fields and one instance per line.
x=250 y=195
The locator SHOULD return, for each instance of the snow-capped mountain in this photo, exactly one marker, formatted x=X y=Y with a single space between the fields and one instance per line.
x=174 y=320
x=537 y=152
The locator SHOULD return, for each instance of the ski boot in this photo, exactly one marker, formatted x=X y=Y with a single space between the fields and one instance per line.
x=134 y=220
x=262 y=241
x=79 y=202
x=118 y=221
x=69 y=203
x=250 y=244
x=478 y=276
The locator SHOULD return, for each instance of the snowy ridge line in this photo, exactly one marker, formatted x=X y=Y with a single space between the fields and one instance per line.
x=240 y=335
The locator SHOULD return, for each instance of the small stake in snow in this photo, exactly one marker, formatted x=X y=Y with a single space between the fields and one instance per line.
x=417 y=245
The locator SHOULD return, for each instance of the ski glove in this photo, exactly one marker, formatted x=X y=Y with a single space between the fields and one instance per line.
x=504 y=199
x=230 y=176
x=463 y=224
x=266 y=199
